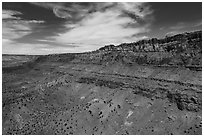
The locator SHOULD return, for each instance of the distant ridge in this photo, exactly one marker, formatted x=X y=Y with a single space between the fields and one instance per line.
x=178 y=50
x=181 y=50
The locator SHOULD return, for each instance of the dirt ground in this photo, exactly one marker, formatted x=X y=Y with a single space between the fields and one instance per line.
x=64 y=98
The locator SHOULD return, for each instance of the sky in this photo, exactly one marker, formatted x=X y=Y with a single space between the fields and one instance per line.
x=50 y=28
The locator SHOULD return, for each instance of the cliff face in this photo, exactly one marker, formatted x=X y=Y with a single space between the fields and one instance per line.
x=180 y=50
x=174 y=44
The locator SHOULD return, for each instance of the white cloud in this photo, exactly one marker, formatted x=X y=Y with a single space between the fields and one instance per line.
x=33 y=21
x=9 y=14
x=15 y=29
x=140 y=9
x=62 y=13
x=96 y=29
x=107 y=27
x=11 y=47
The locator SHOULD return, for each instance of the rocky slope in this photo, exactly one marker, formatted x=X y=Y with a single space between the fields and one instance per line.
x=179 y=50
x=16 y=60
x=133 y=88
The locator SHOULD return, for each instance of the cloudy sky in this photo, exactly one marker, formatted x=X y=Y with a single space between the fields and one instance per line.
x=46 y=28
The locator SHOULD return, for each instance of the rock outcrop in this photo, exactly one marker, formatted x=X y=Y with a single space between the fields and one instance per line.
x=179 y=50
